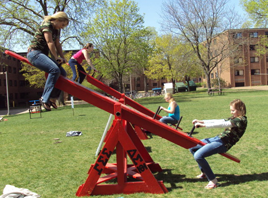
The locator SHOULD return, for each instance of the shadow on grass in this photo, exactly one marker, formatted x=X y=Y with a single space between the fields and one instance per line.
x=228 y=179
x=224 y=179
x=168 y=177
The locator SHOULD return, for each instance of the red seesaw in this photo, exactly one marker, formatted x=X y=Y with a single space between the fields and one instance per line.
x=123 y=137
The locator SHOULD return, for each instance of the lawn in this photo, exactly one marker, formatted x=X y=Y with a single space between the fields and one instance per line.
x=31 y=158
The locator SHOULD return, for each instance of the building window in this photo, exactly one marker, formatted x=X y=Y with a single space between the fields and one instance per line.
x=255 y=72
x=254 y=59
x=211 y=75
x=154 y=84
x=236 y=60
x=14 y=70
x=252 y=47
x=138 y=85
x=10 y=83
x=22 y=83
x=240 y=84
x=266 y=33
x=239 y=72
x=253 y=34
x=238 y=35
x=23 y=95
x=9 y=70
x=138 y=79
x=15 y=83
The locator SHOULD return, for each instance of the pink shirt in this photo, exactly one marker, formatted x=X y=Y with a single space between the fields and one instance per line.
x=79 y=56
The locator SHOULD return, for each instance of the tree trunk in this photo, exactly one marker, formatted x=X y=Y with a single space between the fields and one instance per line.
x=208 y=80
x=173 y=84
x=145 y=83
x=120 y=83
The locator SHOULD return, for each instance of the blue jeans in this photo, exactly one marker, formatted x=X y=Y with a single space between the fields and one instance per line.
x=167 y=119
x=213 y=145
x=76 y=68
x=48 y=65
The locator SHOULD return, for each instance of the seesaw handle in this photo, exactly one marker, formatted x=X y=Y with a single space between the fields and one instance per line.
x=157 y=112
x=191 y=132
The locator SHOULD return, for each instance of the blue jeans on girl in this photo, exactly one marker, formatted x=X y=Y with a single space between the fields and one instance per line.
x=213 y=145
x=167 y=119
x=76 y=68
x=48 y=65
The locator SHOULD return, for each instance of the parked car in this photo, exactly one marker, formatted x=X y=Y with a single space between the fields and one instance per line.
x=157 y=91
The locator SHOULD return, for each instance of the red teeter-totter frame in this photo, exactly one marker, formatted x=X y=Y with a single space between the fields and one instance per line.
x=122 y=136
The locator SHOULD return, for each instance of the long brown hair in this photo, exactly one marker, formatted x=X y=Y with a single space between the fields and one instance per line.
x=88 y=45
x=239 y=105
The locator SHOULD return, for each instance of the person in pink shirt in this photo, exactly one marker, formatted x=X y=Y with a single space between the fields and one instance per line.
x=76 y=61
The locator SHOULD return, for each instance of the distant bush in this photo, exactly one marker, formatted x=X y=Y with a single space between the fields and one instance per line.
x=199 y=84
x=215 y=83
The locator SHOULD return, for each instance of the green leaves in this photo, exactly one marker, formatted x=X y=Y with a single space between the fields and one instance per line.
x=117 y=31
x=257 y=11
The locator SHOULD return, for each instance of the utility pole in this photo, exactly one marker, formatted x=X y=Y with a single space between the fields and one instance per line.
x=7 y=93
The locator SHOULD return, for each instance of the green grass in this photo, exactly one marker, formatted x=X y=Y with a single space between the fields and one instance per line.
x=30 y=158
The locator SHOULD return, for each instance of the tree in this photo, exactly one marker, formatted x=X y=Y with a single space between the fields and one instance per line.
x=117 y=31
x=20 y=18
x=171 y=59
x=257 y=11
x=143 y=56
x=199 y=22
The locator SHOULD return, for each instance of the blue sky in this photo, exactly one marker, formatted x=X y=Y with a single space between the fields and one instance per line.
x=153 y=8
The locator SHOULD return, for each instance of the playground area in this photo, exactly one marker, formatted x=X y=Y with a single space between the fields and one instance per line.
x=124 y=162
x=37 y=155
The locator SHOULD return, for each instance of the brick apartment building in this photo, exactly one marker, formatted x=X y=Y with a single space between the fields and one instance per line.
x=19 y=90
x=138 y=83
x=244 y=67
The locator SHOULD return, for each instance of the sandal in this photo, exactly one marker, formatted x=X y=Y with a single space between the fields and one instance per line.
x=211 y=186
x=201 y=176
x=53 y=104
x=47 y=106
